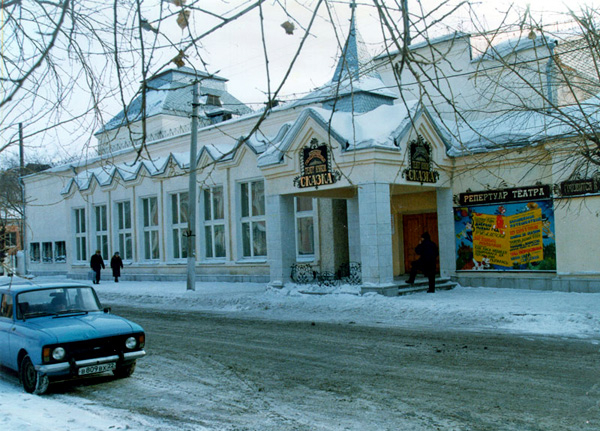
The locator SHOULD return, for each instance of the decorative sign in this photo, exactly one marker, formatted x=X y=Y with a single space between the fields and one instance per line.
x=316 y=166
x=505 y=195
x=420 y=170
x=578 y=187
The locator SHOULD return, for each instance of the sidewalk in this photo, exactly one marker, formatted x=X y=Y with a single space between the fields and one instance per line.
x=465 y=308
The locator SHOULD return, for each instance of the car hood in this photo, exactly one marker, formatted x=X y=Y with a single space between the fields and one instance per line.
x=69 y=328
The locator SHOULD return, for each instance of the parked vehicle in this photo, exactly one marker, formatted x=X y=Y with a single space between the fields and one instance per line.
x=60 y=331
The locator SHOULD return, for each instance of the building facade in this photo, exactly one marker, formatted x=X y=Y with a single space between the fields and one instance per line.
x=349 y=176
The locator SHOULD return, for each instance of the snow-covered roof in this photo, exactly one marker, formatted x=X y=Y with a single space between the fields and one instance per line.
x=9 y=214
x=105 y=175
x=348 y=86
x=513 y=46
x=525 y=128
x=170 y=93
x=382 y=127
x=423 y=43
x=576 y=53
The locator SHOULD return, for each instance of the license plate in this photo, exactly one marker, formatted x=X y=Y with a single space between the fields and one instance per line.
x=93 y=369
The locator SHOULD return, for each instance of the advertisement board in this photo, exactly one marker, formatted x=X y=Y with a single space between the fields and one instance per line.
x=508 y=236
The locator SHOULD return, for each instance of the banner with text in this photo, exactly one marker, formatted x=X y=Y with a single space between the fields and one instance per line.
x=511 y=236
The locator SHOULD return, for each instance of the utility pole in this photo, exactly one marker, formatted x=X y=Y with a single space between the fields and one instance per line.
x=191 y=232
x=21 y=173
x=406 y=23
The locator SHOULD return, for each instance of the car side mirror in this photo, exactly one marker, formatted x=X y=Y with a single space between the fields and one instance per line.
x=106 y=310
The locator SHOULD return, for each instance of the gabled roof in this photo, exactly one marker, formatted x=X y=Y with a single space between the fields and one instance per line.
x=128 y=172
x=104 y=176
x=383 y=128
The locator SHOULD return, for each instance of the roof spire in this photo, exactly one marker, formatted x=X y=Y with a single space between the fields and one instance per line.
x=354 y=52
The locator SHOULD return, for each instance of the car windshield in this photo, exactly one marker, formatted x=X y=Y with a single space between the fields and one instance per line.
x=60 y=300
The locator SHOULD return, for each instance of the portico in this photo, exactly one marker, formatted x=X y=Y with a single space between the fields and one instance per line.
x=374 y=184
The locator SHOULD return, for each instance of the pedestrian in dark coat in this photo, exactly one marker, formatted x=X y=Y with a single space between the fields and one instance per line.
x=116 y=263
x=97 y=264
x=428 y=253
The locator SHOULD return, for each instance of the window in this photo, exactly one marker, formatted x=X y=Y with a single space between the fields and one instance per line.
x=10 y=240
x=47 y=252
x=213 y=100
x=214 y=223
x=179 y=224
x=6 y=306
x=60 y=251
x=150 y=228
x=254 y=225
x=80 y=236
x=124 y=232
x=305 y=236
x=34 y=254
x=101 y=220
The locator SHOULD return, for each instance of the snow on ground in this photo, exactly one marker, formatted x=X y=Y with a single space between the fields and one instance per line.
x=467 y=308
x=25 y=412
x=526 y=312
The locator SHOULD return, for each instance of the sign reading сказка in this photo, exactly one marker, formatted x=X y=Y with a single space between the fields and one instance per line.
x=421 y=166
x=315 y=161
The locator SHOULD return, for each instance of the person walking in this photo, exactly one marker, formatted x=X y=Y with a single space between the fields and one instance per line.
x=97 y=264
x=116 y=263
x=428 y=253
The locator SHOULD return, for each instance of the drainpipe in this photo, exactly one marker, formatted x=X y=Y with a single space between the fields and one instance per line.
x=549 y=73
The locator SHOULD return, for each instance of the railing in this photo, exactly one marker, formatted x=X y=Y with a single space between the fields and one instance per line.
x=348 y=273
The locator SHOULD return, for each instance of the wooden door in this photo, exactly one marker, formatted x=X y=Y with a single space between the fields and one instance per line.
x=413 y=226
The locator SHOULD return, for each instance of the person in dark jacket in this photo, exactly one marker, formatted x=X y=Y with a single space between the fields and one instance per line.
x=97 y=264
x=428 y=253
x=116 y=263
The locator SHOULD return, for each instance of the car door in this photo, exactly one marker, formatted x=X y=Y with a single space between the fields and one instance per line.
x=7 y=325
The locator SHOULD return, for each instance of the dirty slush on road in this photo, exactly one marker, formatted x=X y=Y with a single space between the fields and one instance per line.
x=208 y=371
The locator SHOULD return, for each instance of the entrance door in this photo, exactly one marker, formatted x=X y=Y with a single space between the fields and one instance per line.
x=413 y=226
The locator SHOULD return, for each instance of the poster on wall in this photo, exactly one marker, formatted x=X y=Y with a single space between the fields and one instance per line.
x=506 y=236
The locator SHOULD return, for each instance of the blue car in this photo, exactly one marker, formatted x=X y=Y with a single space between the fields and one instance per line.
x=60 y=331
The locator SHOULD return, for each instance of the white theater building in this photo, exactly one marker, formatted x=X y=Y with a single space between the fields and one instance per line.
x=352 y=174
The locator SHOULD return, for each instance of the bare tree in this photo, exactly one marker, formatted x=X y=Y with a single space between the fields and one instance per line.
x=11 y=202
x=528 y=82
x=63 y=61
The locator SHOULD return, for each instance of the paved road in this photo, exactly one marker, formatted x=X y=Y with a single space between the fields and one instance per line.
x=210 y=371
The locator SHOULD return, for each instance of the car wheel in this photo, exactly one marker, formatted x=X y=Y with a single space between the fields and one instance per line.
x=124 y=371
x=33 y=382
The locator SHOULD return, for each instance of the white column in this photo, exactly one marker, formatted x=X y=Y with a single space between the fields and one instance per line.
x=446 y=234
x=375 y=234
x=353 y=230
x=281 y=238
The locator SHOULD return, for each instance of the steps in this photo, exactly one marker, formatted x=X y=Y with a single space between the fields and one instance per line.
x=421 y=284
